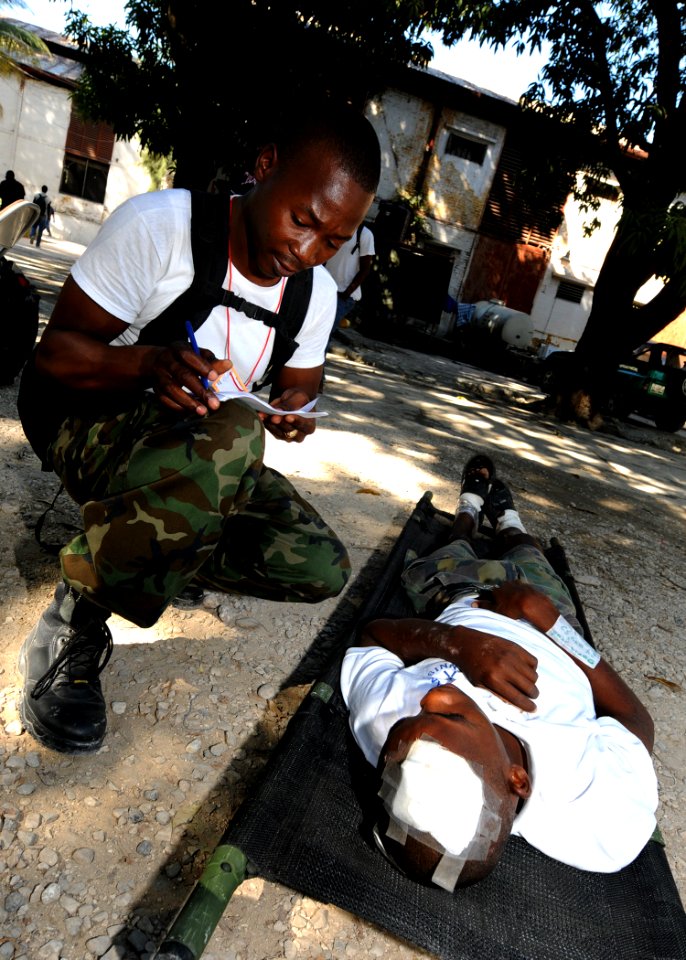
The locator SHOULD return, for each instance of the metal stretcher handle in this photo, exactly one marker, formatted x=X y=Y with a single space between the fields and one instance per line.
x=558 y=561
x=194 y=925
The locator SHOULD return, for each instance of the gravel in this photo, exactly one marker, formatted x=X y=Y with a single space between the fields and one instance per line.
x=98 y=852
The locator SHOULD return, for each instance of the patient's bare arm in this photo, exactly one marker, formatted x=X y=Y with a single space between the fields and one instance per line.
x=611 y=695
x=485 y=659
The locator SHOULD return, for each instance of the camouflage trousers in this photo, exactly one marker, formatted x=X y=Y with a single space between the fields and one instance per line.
x=166 y=500
x=434 y=581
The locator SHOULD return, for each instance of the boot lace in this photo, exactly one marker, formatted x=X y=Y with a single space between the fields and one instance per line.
x=83 y=656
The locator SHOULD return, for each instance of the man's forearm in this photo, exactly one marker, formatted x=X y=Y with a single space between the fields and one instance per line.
x=413 y=639
x=612 y=697
x=83 y=363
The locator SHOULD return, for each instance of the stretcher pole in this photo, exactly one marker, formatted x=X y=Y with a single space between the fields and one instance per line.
x=190 y=932
x=558 y=561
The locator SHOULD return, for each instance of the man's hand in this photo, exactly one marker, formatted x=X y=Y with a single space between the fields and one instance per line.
x=176 y=373
x=501 y=666
x=520 y=601
x=289 y=427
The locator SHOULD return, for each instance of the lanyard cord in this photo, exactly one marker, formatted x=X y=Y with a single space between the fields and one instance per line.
x=270 y=330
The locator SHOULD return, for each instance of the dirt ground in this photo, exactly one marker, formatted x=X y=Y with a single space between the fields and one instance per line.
x=98 y=853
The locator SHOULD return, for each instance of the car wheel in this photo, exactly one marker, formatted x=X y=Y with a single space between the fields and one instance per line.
x=670 y=420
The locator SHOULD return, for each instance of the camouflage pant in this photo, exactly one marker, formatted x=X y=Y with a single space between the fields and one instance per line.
x=432 y=582
x=166 y=500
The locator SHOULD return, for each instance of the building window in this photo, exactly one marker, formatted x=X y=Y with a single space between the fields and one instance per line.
x=84 y=178
x=87 y=158
x=466 y=148
x=602 y=189
x=568 y=290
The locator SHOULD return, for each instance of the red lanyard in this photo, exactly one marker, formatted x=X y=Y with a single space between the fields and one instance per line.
x=270 y=330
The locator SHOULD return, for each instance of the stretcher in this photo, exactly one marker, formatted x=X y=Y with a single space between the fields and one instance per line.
x=304 y=826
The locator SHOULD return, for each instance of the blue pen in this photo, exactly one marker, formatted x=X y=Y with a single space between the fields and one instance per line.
x=194 y=343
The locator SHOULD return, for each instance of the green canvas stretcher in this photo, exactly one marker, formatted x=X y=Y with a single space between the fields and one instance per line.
x=304 y=826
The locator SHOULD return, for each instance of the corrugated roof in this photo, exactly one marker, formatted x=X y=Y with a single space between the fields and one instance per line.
x=61 y=63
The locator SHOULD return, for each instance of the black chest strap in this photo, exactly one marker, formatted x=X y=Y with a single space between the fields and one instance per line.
x=210 y=218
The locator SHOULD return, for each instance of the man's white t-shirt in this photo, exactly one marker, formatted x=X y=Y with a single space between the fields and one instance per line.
x=141 y=261
x=594 y=786
x=344 y=265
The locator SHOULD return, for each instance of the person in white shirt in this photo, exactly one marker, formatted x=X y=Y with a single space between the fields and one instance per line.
x=497 y=718
x=350 y=267
x=119 y=400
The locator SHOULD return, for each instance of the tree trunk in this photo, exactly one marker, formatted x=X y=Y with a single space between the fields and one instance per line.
x=584 y=384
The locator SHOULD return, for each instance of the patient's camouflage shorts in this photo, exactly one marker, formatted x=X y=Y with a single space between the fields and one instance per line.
x=434 y=581
x=166 y=500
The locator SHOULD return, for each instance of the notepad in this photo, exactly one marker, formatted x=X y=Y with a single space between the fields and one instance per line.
x=227 y=391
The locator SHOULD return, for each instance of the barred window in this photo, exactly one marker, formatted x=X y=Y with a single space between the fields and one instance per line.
x=87 y=158
x=466 y=148
x=569 y=290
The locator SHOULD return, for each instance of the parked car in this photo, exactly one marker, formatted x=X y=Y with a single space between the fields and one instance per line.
x=19 y=300
x=652 y=383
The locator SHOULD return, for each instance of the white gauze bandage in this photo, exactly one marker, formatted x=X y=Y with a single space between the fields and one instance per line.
x=440 y=794
x=472 y=504
x=565 y=636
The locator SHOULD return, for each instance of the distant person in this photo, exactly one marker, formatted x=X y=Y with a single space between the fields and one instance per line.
x=42 y=201
x=10 y=190
x=51 y=216
x=350 y=267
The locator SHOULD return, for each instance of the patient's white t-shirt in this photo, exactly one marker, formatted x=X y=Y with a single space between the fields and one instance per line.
x=594 y=786
x=141 y=261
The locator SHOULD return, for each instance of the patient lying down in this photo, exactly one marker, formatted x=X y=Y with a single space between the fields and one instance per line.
x=497 y=718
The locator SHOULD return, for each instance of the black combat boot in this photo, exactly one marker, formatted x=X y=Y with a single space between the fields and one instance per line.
x=60 y=660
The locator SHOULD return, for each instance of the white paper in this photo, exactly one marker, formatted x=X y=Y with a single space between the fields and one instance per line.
x=231 y=392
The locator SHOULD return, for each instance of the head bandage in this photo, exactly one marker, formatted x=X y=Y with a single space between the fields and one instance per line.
x=440 y=799
x=439 y=793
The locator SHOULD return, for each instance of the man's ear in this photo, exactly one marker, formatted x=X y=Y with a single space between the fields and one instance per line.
x=519 y=781
x=266 y=162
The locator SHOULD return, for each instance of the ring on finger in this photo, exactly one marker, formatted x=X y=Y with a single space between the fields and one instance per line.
x=291 y=434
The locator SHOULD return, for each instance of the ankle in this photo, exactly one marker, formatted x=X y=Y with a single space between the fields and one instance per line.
x=463 y=526
x=512 y=538
x=77 y=610
x=509 y=521
x=469 y=505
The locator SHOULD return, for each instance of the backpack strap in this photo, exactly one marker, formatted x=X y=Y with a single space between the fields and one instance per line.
x=209 y=247
x=210 y=244
x=357 y=242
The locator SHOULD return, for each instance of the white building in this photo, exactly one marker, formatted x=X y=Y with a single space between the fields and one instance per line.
x=88 y=171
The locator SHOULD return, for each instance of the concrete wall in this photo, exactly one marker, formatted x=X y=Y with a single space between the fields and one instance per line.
x=455 y=190
x=559 y=323
x=33 y=130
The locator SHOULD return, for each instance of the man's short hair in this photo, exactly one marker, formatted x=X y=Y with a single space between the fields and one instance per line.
x=343 y=129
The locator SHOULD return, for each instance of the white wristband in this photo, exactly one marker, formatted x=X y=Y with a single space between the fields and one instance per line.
x=566 y=637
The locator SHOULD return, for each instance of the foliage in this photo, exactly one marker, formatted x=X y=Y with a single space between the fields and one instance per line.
x=615 y=79
x=415 y=204
x=206 y=81
x=159 y=168
x=15 y=40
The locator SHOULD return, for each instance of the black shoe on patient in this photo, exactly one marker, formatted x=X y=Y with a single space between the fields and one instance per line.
x=477 y=475
x=497 y=501
x=63 y=706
